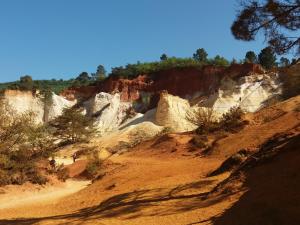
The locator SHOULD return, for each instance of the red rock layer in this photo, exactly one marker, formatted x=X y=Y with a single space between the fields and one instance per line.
x=182 y=82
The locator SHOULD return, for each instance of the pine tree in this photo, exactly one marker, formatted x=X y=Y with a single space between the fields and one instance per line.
x=267 y=58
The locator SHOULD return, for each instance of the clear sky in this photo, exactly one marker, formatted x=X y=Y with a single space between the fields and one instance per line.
x=61 y=38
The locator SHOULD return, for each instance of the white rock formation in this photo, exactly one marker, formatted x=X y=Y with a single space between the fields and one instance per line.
x=250 y=93
x=172 y=112
x=25 y=101
x=109 y=111
x=57 y=106
x=149 y=116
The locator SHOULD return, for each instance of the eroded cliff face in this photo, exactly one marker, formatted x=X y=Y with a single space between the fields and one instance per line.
x=171 y=94
x=129 y=89
x=192 y=82
x=27 y=101
x=79 y=93
x=250 y=93
x=172 y=112
x=183 y=82
x=108 y=110
x=55 y=109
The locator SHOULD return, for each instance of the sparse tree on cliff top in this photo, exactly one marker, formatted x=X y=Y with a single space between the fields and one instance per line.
x=163 y=57
x=278 y=19
x=200 y=55
x=250 y=57
x=267 y=58
x=284 y=62
x=26 y=83
x=101 y=73
x=82 y=79
x=219 y=61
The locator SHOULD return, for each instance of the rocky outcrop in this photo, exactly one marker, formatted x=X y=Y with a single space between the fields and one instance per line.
x=184 y=82
x=25 y=101
x=250 y=93
x=56 y=107
x=129 y=89
x=80 y=93
x=172 y=113
x=108 y=110
x=191 y=82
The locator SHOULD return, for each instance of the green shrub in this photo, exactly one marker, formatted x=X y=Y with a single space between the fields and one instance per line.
x=72 y=126
x=232 y=120
x=204 y=119
x=38 y=178
x=93 y=165
x=53 y=85
x=131 y=71
x=62 y=173
x=22 y=145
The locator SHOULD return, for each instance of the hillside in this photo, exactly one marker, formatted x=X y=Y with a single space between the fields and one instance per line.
x=164 y=180
x=148 y=162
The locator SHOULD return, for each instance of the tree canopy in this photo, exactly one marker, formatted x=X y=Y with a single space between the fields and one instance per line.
x=251 y=57
x=101 y=73
x=267 y=58
x=284 y=62
x=200 y=55
x=26 y=83
x=277 y=19
x=73 y=126
x=163 y=57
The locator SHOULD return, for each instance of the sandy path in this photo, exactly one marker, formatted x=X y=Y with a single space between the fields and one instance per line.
x=47 y=195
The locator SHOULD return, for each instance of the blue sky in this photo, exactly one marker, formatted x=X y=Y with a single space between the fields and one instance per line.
x=61 y=38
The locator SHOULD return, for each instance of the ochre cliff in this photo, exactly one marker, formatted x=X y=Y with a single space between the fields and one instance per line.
x=183 y=82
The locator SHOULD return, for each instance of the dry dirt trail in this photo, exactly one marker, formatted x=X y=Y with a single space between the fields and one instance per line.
x=137 y=186
x=15 y=198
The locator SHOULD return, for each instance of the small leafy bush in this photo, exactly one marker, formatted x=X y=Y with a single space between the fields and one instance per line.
x=93 y=166
x=131 y=71
x=72 y=126
x=62 y=173
x=232 y=120
x=204 y=119
x=206 y=122
x=22 y=145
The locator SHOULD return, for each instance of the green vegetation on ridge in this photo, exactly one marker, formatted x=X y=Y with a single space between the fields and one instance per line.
x=266 y=58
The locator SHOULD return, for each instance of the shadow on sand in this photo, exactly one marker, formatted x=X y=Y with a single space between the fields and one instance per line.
x=135 y=204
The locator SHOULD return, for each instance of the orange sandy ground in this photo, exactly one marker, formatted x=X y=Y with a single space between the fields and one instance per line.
x=164 y=181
